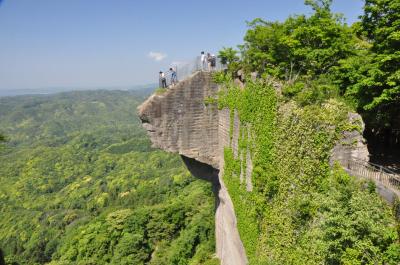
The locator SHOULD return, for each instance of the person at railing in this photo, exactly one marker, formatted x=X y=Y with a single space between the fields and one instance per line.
x=203 y=61
x=212 y=61
x=208 y=61
x=174 y=77
x=162 y=80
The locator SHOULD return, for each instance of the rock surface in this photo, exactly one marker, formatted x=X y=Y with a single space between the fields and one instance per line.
x=180 y=121
x=352 y=153
x=352 y=145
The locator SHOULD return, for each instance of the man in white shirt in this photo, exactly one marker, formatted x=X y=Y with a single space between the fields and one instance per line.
x=203 y=61
x=163 y=80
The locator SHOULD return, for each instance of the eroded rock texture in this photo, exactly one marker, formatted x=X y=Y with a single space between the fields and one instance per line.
x=180 y=121
x=352 y=153
x=352 y=145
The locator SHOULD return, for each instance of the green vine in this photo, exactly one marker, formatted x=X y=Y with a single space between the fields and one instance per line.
x=298 y=203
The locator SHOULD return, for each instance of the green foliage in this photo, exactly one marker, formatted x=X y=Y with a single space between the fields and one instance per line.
x=298 y=46
x=308 y=92
x=160 y=90
x=2 y=140
x=372 y=77
x=80 y=184
x=244 y=202
x=357 y=232
x=381 y=24
x=220 y=77
x=255 y=105
x=361 y=60
x=319 y=5
x=300 y=211
x=228 y=56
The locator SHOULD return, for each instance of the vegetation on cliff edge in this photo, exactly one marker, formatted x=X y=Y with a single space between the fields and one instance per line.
x=313 y=71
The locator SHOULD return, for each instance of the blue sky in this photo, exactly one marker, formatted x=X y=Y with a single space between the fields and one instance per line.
x=99 y=43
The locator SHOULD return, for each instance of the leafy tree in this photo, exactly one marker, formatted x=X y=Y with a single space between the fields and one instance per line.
x=228 y=55
x=380 y=23
x=300 y=45
x=319 y=5
x=371 y=78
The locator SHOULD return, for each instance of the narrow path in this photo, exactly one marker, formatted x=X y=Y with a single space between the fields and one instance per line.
x=386 y=180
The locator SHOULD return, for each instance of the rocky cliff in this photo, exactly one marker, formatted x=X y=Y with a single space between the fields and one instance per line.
x=352 y=145
x=180 y=121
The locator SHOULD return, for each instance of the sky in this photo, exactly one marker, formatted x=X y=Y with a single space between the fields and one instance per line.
x=123 y=43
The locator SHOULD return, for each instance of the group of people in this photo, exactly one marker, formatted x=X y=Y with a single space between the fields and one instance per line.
x=163 y=78
x=208 y=61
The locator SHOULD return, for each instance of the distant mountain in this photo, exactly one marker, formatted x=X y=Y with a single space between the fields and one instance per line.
x=45 y=91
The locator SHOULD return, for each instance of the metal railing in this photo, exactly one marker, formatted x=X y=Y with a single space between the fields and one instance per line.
x=186 y=69
x=373 y=172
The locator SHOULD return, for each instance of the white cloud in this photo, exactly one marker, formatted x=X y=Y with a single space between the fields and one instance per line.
x=157 y=56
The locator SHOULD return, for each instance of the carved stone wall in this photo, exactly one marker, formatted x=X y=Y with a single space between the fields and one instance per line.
x=180 y=121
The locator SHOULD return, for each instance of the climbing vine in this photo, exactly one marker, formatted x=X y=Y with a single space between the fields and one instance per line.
x=300 y=211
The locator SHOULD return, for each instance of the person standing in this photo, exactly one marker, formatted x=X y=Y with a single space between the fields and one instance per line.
x=163 y=80
x=203 y=61
x=174 y=77
x=213 y=62
x=209 y=59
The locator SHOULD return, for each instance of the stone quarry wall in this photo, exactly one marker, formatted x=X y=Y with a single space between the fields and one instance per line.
x=351 y=151
x=225 y=140
x=352 y=144
x=180 y=121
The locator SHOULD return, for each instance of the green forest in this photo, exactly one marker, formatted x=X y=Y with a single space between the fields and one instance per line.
x=80 y=184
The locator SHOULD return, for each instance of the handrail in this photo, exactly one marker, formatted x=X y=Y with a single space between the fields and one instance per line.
x=185 y=69
x=385 y=169
x=375 y=172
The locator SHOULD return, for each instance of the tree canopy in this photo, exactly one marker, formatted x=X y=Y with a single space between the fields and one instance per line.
x=361 y=61
x=300 y=45
x=80 y=184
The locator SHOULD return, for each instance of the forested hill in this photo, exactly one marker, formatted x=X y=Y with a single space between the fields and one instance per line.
x=80 y=184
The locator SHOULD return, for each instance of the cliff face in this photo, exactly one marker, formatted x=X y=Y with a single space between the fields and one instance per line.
x=179 y=121
x=352 y=145
x=352 y=153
